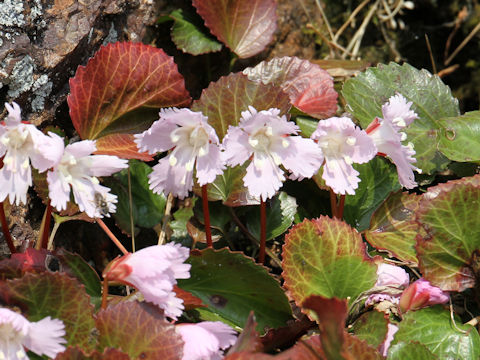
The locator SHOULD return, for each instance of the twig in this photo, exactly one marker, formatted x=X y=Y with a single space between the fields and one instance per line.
x=350 y=19
x=206 y=216
x=325 y=19
x=429 y=48
x=461 y=46
x=166 y=217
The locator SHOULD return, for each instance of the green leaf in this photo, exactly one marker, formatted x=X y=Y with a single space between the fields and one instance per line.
x=58 y=296
x=433 y=328
x=232 y=285
x=181 y=217
x=224 y=100
x=229 y=188
x=306 y=125
x=147 y=208
x=378 y=180
x=280 y=214
x=393 y=226
x=140 y=330
x=319 y=258
x=459 y=138
x=410 y=351
x=74 y=265
x=431 y=98
x=452 y=234
x=189 y=34
x=371 y=327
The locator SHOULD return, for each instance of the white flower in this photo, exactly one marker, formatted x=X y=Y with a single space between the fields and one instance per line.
x=342 y=144
x=266 y=139
x=194 y=145
x=387 y=137
x=205 y=340
x=44 y=337
x=153 y=271
x=22 y=144
x=79 y=169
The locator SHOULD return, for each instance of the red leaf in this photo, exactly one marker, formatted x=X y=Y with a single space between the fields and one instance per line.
x=120 y=90
x=140 y=330
x=121 y=145
x=189 y=300
x=309 y=87
x=248 y=340
x=245 y=29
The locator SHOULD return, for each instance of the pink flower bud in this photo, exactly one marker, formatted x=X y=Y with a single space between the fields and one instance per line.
x=421 y=294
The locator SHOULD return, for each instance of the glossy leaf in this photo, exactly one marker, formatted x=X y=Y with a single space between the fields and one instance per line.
x=55 y=295
x=378 y=180
x=74 y=265
x=432 y=100
x=280 y=214
x=147 y=208
x=120 y=91
x=153 y=336
x=410 y=351
x=371 y=327
x=246 y=30
x=445 y=252
x=439 y=335
x=307 y=126
x=319 y=257
x=459 y=138
x=232 y=285
x=309 y=87
x=393 y=226
x=224 y=100
x=229 y=188
x=189 y=34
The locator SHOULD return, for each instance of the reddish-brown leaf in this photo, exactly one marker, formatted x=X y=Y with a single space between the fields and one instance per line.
x=248 y=340
x=74 y=353
x=245 y=28
x=140 y=330
x=190 y=301
x=309 y=87
x=121 y=145
x=224 y=100
x=120 y=90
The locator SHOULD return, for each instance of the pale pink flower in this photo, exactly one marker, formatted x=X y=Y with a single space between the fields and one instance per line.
x=205 y=340
x=389 y=276
x=22 y=144
x=421 y=294
x=194 y=145
x=392 y=329
x=387 y=137
x=78 y=170
x=266 y=139
x=44 y=337
x=153 y=271
x=342 y=143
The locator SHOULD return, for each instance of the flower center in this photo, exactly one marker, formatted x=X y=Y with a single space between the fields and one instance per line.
x=261 y=139
x=12 y=340
x=199 y=140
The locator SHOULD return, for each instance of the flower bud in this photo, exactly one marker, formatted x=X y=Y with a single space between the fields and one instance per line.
x=421 y=294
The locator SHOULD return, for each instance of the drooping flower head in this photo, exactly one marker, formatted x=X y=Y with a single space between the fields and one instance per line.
x=267 y=140
x=422 y=294
x=153 y=271
x=21 y=145
x=386 y=135
x=194 y=145
x=205 y=340
x=393 y=278
x=78 y=170
x=342 y=143
x=44 y=337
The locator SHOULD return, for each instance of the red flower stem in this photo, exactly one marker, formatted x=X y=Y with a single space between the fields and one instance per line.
x=341 y=205
x=6 y=231
x=206 y=216
x=333 y=203
x=46 y=225
x=263 y=231
x=104 y=294
x=111 y=236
